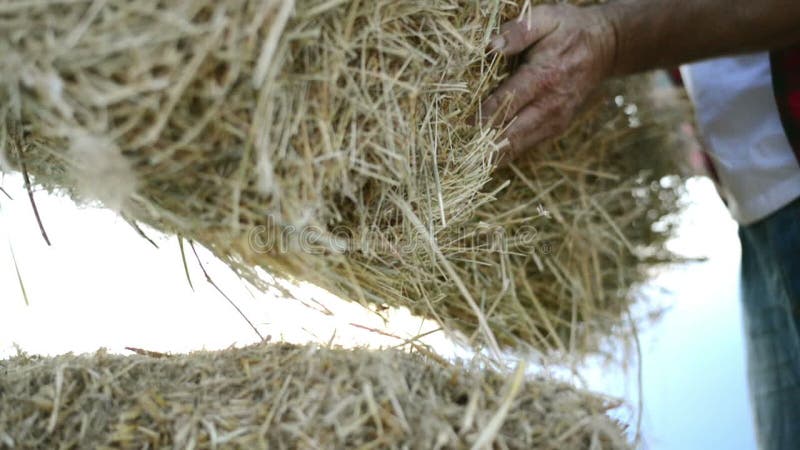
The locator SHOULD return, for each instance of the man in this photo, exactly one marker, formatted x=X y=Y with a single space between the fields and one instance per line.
x=748 y=109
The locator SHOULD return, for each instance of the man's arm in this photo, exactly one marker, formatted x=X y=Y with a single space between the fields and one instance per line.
x=569 y=51
x=652 y=34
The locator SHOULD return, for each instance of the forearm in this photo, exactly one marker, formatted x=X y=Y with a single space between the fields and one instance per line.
x=663 y=33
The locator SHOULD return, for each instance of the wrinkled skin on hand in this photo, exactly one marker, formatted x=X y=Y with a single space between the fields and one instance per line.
x=567 y=52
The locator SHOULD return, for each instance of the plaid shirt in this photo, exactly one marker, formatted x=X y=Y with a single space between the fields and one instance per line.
x=786 y=82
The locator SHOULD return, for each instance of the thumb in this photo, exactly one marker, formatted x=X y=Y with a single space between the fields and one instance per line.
x=519 y=34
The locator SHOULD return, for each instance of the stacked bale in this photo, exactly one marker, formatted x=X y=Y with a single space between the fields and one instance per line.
x=328 y=141
x=283 y=396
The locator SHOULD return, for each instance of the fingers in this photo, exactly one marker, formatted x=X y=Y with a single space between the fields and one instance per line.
x=531 y=81
x=534 y=124
x=512 y=95
x=522 y=87
x=519 y=34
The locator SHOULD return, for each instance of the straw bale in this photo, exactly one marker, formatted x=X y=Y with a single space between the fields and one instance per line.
x=284 y=396
x=329 y=141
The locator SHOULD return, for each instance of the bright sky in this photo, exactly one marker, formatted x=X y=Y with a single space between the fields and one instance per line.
x=101 y=285
x=694 y=375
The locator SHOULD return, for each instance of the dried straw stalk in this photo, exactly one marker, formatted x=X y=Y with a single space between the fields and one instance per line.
x=287 y=397
x=328 y=141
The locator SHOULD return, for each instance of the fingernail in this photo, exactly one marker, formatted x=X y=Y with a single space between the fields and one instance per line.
x=498 y=44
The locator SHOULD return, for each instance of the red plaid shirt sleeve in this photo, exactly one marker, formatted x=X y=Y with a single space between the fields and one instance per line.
x=786 y=81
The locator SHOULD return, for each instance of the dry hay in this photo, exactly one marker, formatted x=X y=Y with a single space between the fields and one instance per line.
x=283 y=396
x=328 y=141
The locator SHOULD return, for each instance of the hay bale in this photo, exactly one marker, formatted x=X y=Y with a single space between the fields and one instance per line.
x=284 y=396
x=328 y=141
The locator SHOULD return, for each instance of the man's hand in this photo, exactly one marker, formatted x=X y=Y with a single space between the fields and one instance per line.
x=568 y=52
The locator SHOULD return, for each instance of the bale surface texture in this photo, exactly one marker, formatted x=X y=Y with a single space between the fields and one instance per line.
x=286 y=397
x=329 y=141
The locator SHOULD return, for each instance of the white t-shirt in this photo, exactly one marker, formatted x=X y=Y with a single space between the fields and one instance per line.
x=741 y=126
